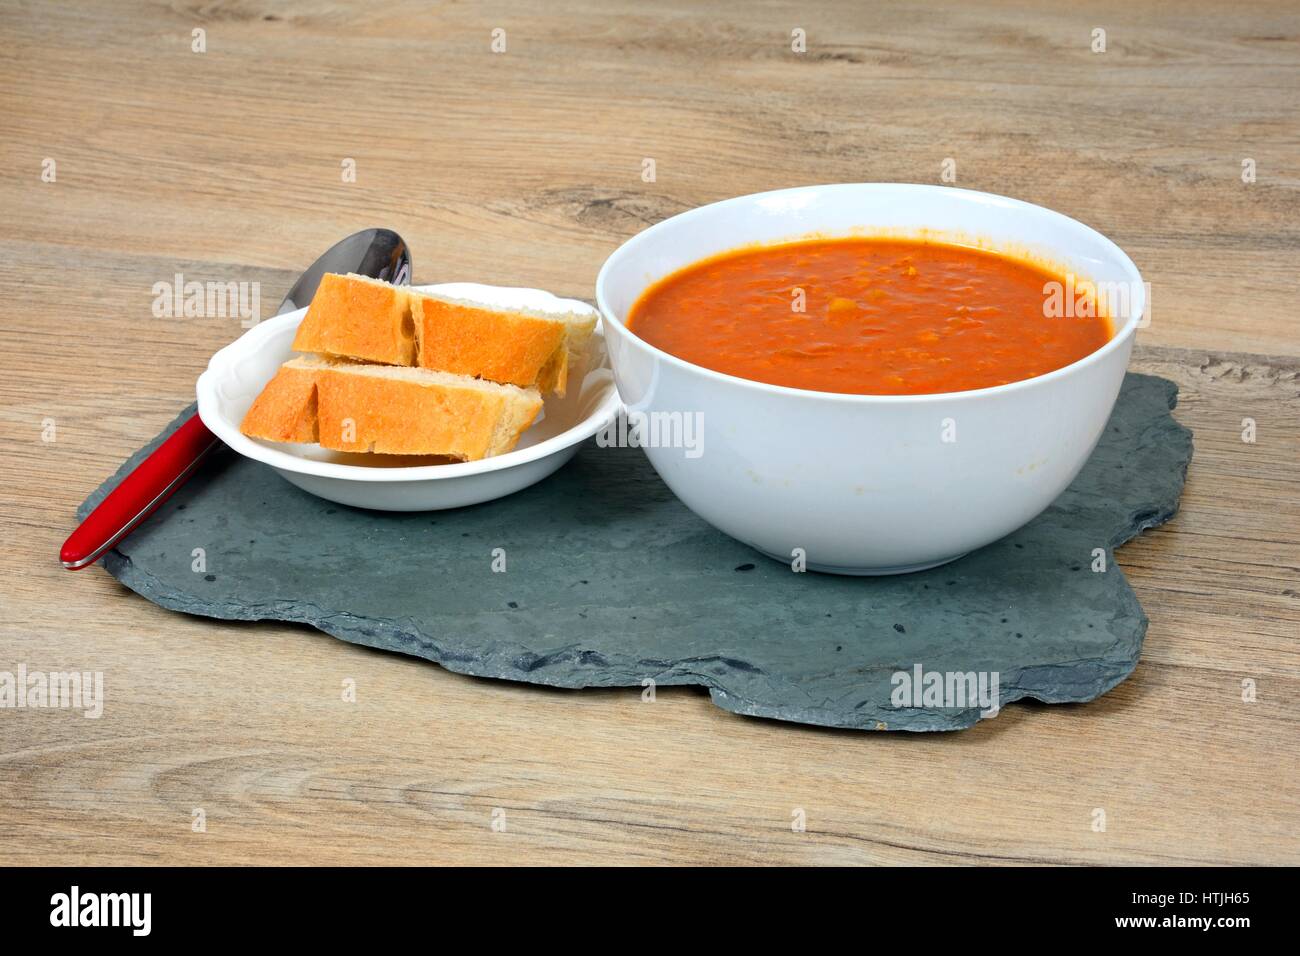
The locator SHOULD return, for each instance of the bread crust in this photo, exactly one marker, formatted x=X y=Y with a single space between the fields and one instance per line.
x=507 y=347
x=359 y=318
x=285 y=411
x=511 y=346
x=401 y=411
x=363 y=410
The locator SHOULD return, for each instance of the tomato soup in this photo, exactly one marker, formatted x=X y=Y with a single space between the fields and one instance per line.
x=867 y=317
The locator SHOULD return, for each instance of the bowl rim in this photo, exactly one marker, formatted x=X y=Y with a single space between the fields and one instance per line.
x=221 y=362
x=1117 y=341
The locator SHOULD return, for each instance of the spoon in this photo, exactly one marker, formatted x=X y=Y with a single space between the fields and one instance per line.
x=377 y=253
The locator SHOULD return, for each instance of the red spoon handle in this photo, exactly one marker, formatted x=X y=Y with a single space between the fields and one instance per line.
x=148 y=485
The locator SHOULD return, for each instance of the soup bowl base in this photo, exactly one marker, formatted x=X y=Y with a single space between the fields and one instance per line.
x=857 y=572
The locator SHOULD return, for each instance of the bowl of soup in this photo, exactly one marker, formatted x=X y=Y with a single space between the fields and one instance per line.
x=868 y=378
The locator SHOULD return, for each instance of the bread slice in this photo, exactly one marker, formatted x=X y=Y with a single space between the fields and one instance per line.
x=517 y=346
x=286 y=409
x=387 y=409
x=415 y=411
x=360 y=318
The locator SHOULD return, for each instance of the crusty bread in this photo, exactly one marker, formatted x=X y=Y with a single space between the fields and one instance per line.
x=459 y=379
x=360 y=318
x=286 y=408
x=392 y=410
x=368 y=320
x=516 y=346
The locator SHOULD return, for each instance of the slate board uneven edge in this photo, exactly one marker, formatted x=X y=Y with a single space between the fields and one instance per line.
x=611 y=582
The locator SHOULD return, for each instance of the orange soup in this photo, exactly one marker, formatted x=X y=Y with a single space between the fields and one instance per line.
x=867 y=317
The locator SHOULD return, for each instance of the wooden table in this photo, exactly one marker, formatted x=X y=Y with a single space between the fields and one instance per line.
x=524 y=167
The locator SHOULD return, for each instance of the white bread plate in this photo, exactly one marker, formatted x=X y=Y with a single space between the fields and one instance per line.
x=237 y=374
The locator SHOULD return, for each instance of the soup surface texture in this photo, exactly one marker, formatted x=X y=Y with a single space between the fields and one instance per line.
x=867 y=317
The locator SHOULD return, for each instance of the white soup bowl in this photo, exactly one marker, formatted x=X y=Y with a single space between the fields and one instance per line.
x=868 y=484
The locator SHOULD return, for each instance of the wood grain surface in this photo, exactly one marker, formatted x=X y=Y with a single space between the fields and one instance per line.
x=524 y=167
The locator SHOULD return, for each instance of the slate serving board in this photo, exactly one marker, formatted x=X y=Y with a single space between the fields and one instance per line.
x=610 y=581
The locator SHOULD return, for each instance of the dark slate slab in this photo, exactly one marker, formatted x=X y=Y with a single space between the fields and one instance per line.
x=610 y=581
